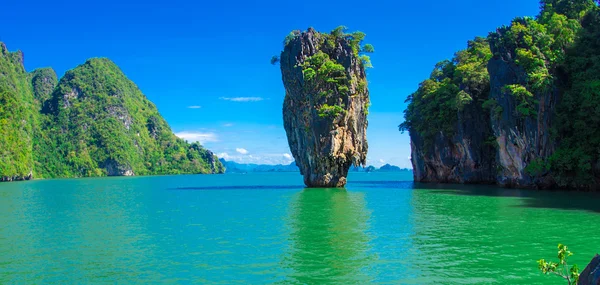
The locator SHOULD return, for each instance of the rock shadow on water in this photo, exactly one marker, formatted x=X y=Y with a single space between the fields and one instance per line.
x=564 y=200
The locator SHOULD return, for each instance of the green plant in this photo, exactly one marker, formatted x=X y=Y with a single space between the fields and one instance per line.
x=289 y=38
x=537 y=167
x=527 y=105
x=366 y=61
x=274 y=60
x=327 y=111
x=452 y=85
x=368 y=48
x=340 y=31
x=561 y=268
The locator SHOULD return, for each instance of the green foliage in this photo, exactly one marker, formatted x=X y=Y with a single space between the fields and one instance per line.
x=452 y=85
x=558 y=51
x=561 y=268
x=329 y=80
x=368 y=48
x=366 y=61
x=289 y=38
x=321 y=69
x=274 y=60
x=93 y=120
x=339 y=32
x=537 y=167
x=578 y=112
x=100 y=119
x=492 y=105
x=17 y=116
x=326 y=111
x=527 y=104
x=573 y=9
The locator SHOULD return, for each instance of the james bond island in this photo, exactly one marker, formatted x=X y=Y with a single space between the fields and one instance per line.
x=326 y=103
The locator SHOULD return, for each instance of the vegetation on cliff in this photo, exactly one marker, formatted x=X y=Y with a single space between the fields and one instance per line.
x=326 y=76
x=577 y=158
x=556 y=53
x=326 y=102
x=94 y=122
x=16 y=117
x=452 y=85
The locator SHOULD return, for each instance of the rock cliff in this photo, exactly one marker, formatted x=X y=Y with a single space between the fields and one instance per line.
x=521 y=129
x=515 y=109
x=449 y=128
x=326 y=103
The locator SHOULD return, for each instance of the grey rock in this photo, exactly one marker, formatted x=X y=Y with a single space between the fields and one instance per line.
x=591 y=274
x=324 y=148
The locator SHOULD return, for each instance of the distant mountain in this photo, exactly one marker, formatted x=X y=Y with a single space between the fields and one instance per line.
x=234 y=167
x=385 y=168
x=390 y=168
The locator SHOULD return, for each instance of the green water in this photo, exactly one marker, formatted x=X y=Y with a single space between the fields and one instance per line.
x=265 y=229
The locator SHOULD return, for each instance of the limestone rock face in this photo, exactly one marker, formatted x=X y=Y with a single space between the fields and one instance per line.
x=463 y=158
x=520 y=139
x=325 y=106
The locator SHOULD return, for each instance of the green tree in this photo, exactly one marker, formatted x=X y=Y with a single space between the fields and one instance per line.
x=561 y=268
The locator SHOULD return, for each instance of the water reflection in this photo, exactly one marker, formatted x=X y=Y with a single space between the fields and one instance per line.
x=329 y=240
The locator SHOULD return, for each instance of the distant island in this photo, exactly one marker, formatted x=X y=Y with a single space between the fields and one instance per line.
x=384 y=168
x=234 y=167
x=94 y=121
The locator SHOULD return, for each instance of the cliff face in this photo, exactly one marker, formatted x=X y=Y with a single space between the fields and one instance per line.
x=466 y=157
x=94 y=122
x=449 y=128
x=521 y=138
x=536 y=126
x=325 y=107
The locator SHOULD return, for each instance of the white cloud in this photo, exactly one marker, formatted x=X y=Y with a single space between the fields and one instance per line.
x=263 y=158
x=242 y=151
x=228 y=125
x=381 y=161
x=242 y=99
x=194 y=107
x=224 y=155
x=197 y=137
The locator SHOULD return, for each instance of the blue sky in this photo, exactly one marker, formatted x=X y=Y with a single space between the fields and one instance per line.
x=205 y=64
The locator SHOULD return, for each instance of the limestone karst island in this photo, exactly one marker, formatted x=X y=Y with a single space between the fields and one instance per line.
x=326 y=103
x=387 y=142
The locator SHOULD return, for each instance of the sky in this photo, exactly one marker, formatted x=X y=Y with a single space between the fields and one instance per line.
x=205 y=64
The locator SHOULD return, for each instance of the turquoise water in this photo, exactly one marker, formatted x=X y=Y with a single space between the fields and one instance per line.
x=266 y=228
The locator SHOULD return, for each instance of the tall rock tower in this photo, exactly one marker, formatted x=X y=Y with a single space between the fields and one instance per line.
x=326 y=103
